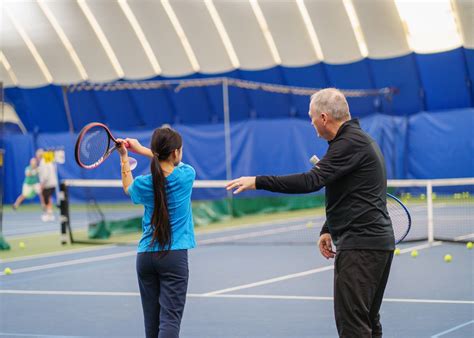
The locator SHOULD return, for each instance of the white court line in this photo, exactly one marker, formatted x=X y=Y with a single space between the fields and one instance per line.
x=198 y=233
x=32 y=235
x=452 y=329
x=241 y=296
x=68 y=293
x=259 y=224
x=72 y=262
x=421 y=247
x=131 y=253
x=8 y=334
x=305 y=273
x=59 y=253
x=271 y=280
x=315 y=298
x=276 y=297
x=460 y=238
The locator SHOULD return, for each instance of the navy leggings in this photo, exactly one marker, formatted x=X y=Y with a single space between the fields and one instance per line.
x=163 y=283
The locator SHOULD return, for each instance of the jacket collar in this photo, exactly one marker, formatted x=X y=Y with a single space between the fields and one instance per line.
x=344 y=127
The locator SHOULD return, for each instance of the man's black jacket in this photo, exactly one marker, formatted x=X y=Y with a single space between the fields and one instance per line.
x=353 y=172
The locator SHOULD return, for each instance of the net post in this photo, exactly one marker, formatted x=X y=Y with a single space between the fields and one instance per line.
x=227 y=140
x=429 y=201
x=3 y=243
x=64 y=217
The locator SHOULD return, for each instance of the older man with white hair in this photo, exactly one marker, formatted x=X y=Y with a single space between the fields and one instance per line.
x=357 y=221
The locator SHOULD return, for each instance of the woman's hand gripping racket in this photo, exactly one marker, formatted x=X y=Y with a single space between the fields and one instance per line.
x=399 y=214
x=94 y=144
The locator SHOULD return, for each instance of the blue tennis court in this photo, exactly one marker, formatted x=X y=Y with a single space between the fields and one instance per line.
x=261 y=127
x=234 y=291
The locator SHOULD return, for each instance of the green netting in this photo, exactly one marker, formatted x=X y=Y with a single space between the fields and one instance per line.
x=104 y=229
x=208 y=212
x=4 y=244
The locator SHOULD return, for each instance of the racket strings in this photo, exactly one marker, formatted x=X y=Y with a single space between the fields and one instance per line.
x=400 y=219
x=94 y=145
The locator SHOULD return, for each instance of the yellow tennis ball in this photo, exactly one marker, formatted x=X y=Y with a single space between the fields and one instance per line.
x=7 y=271
x=21 y=245
x=309 y=224
x=397 y=252
x=448 y=258
x=469 y=245
x=414 y=253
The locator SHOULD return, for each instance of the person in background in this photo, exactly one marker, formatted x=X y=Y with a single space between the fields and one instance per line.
x=31 y=185
x=48 y=180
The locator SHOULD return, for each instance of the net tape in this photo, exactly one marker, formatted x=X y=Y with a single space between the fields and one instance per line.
x=222 y=183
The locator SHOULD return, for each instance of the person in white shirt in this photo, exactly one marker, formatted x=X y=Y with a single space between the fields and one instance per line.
x=48 y=181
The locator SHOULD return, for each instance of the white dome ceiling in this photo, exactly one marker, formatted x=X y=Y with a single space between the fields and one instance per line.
x=68 y=41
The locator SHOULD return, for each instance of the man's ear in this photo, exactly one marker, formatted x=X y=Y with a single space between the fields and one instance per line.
x=324 y=117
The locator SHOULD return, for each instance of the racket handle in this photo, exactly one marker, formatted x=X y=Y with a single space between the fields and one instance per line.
x=119 y=143
x=314 y=160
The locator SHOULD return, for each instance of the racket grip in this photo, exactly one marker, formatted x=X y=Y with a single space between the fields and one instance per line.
x=314 y=160
x=125 y=143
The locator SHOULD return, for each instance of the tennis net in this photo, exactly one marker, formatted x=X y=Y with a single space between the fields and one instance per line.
x=98 y=211
x=441 y=209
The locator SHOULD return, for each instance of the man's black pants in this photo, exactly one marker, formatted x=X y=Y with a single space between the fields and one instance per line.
x=360 y=277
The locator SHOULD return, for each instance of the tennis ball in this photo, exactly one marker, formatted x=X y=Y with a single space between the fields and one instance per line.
x=396 y=252
x=7 y=271
x=448 y=258
x=309 y=224
x=21 y=245
x=414 y=253
x=469 y=245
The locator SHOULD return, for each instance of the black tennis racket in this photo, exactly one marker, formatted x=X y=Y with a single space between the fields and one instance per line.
x=400 y=216
x=398 y=212
x=95 y=144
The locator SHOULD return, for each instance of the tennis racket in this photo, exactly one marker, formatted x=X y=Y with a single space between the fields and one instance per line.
x=95 y=144
x=400 y=216
x=398 y=212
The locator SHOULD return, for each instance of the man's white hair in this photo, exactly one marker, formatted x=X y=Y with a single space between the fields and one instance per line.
x=331 y=101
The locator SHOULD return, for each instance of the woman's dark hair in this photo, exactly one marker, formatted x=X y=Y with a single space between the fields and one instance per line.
x=163 y=143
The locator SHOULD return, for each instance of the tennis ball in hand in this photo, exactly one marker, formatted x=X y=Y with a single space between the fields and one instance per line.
x=21 y=245
x=469 y=245
x=7 y=271
x=414 y=253
x=397 y=252
x=448 y=258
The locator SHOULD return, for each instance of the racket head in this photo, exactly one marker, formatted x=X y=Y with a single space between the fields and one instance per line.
x=94 y=144
x=400 y=216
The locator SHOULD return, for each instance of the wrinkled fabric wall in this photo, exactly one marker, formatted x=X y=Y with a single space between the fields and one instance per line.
x=426 y=82
x=423 y=145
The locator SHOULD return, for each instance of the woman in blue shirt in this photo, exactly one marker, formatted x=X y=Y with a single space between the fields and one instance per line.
x=168 y=229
